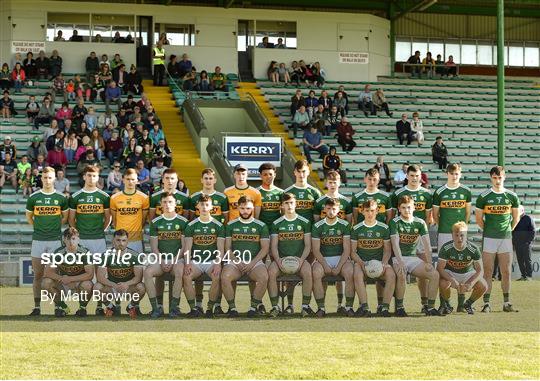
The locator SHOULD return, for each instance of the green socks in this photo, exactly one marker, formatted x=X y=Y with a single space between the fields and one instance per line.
x=349 y=300
x=486 y=297
x=460 y=300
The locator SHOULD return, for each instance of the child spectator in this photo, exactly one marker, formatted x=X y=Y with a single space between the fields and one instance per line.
x=5 y=77
x=18 y=76
x=63 y=113
x=25 y=182
x=417 y=129
x=22 y=166
x=7 y=105
x=332 y=162
x=320 y=119
x=91 y=119
x=36 y=182
x=283 y=74
x=70 y=90
x=82 y=88
x=32 y=108
x=204 y=84
x=156 y=134
x=70 y=146
x=39 y=164
x=273 y=72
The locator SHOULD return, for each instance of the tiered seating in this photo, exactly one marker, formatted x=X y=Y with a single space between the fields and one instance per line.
x=463 y=111
x=180 y=95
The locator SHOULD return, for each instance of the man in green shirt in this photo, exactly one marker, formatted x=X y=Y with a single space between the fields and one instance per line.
x=247 y=242
x=372 y=191
x=65 y=278
x=120 y=277
x=46 y=211
x=291 y=236
x=406 y=231
x=497 y=214
x=204 y=249
x=460 y=267
x=370 y=240
x=331 y=245
x=271 y=195
x=166 y=242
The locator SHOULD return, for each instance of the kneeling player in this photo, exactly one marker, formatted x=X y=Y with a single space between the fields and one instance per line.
x=370 y=240
x=66 y=279
x=406 y=231
x=166 y=238
x=291 y=236
x=460 y=267
x=120 y=278
x=204 y=247
x=246 y=245
x=331 y=245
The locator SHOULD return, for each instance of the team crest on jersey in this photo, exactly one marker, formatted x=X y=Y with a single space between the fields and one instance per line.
x=339 y=232
x=369 y=234
x=468 y=257
x=377 y=234
x=177 y=227
x=212 y=230
x=421 y=198
x=416 y=230
x=215 y=202
x=55 y=202
x=98 y=199
x=253 y=230
x=299 y=227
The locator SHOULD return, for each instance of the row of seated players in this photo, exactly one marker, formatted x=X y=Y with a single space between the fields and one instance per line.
x=305 y=214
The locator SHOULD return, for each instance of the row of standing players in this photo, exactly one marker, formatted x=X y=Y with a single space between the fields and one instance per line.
x=91 y=211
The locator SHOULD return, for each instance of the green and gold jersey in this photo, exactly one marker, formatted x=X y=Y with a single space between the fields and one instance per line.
x=71 y=269
x=205 y=236
x=331 y=236
x=220 y=204
x=345 y=206
x=168 y=232
x=497 y=208
x=383 y=203
x=409 y=234
x=370 y=240
x=182 y=202
x=305 y=200
x=90 y=210
x=290 y=234
x=121 y=268
x=246 y=237
x=47 y=209
x=271 y=205
x=422 y=200
x=452 y=203
x=457 y=261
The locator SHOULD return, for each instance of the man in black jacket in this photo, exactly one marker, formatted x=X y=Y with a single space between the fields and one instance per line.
x=440 y=153
x=522 y=238
x=403 y=130
x=415 y=70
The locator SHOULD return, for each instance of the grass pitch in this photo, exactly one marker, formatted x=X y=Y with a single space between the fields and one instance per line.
x=498 y=345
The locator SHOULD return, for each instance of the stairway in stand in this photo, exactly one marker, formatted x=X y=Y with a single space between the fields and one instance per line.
x=275 y=124
x=186 y=158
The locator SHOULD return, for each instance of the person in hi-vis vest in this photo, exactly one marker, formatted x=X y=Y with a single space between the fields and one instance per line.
x=159 y=64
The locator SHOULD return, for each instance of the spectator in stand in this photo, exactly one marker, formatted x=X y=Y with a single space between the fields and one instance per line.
x=36 y=148
x=116 y=62
x=156 y=134
x=415 y=61
x=283 y=74
x=91 y=66
x=56 y=138
x=8 y=172
x=318 y=74
x=218 y=80
x=296 y=73
x=134 y=157
x=439 y=66
x=114 y=147
x=79 y=112
x=57 y=157
x=62 y=114
x=104 y=61
x=384 y=174
x=148 y=155
x=8 y=147
x=156 y=172
x=403 y=130
x=29 y=65
x=182 y=187
x=417 y=129
x=173 y=68
x=300 y=120
x=313 y=142
x=56 y=63
x=58 y=88
x=5 y=77
x=162 y=150
x=113 y=94
x=45 y=114
x=400 y=178
x=451 y=67
x=97 y=38
x=273 y=72
x=163 y=38
x=91 y=119
x=75 y=37
x=23 y=165
x=18 y=76
x=190 y=80
x=345 y=134
x=379 y=101
x=42 y=66
x=334 y=119
x=25 y=183
x=97 y=143
x=90 y=159
x=342 y=89
x=32 y=108
x=107 y=118
x=129 y=105
x=119 y=76
x=325 y=100
x=70 y=90
x=280 y=44
x=332 y=162
x=61 y=184
x=440 y=153
x=365 y=101
x=117 y=39
x=114 y=180
x=311 y=104
x=340 y=102
x=309 y=78
x=39 y=164
x=144 y=138
x=320 y=119
x=84 y=146
x=71 y=143
x=424 y=181
x=59 y=36
x=107 y=132
x=17 y=59
x=134 y=81
x=7 y=105
x=143 y=177
x=83 y=131
x=428 y=65
x=297 y=100
x=184 y=65
x=265 y=44
x=103 y=79
x=523 y=236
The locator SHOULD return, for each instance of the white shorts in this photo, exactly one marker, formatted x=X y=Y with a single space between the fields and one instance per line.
x=497 y=245
x=259 y=263
x=95 y=245
x=461 y=278
x=443 y=238
x=136 y=246
x=204 y=267
x=333 y=261
x=40 y=247
x=411 y=263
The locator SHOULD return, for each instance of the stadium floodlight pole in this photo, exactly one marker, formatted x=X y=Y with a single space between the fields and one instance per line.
x=500 y=82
